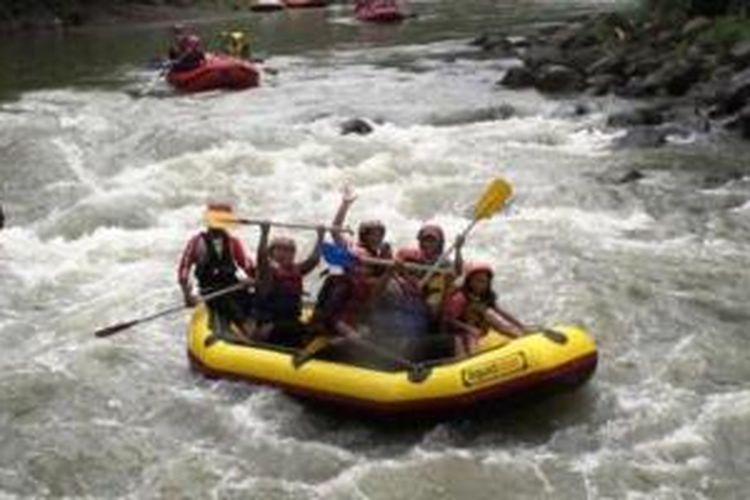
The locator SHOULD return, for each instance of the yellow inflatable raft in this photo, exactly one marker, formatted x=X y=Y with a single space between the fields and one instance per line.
x=555 y=359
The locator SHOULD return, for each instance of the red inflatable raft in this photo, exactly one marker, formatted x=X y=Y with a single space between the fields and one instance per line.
x=378 y=11
x=305 y=4
x=217 y=72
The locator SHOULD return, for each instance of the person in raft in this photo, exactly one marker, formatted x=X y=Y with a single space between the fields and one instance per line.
x=344 y=298
x=279 y=287
x=217 y=257
x=187 y=55
x=471 y=311
x=235 y=43
x=434 y=292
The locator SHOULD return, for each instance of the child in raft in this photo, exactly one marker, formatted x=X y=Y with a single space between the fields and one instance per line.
x=344 y=298
x=435 y=290
x=279 y=287
x=471 y=311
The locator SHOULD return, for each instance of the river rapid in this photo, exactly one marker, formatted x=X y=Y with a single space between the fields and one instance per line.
x=102 y=189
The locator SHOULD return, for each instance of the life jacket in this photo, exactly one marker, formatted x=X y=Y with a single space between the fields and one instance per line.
x=383 y=252
x=437 y=288
x=469 y=309
x=215 y=271
x=283 y=301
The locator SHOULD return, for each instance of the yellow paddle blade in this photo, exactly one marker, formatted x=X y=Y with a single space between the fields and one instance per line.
x=498 y=192
x=219 y=219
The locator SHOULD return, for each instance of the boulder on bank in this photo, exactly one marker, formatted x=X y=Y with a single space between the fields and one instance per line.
x=651 y=115
x=556 y=79
x=518 y=77
x=740 y=54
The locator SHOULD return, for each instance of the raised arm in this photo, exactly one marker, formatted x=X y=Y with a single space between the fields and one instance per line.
x=307 y=265
x=347 y=198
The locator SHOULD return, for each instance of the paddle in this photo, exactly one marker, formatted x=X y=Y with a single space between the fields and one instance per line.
x=113 y=329
x=495 y=196
x=341 y=256
x=417 y=371
x=164 y=68
x=219 y=218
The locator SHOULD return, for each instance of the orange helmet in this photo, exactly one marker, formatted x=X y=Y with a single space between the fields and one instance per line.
x=473 y=268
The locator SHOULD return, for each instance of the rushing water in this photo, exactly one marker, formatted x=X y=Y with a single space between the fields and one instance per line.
x=101 y=190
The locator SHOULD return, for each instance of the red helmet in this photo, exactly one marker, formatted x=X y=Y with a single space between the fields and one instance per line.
x=368 y=226
x=473 y=268
x=431 y=231
x=282 y=242
x=192 y=42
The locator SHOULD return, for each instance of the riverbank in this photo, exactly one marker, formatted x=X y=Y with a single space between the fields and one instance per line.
x=71 y=14
x=695 y=73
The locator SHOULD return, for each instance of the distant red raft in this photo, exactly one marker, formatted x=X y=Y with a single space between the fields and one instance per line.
x=218 y=72
x=379 y=11
x=305 y=4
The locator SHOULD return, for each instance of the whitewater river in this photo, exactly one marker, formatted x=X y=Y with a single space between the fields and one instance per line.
x=102 y=189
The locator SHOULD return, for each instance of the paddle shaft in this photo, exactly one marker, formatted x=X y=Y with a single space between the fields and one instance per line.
x=288 y=225
x=406 y=265
x=111 y=330
x=434 y=268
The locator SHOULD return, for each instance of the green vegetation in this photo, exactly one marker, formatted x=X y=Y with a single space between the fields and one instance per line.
x=41 y=12
x=691 y=8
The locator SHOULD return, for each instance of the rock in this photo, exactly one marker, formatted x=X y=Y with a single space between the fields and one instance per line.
x=537 y=56
x=696 y=26
x=601 y=84
x=743 y=122
x=653 y=115
x=740 y=54
x=491 y=41
x=608 y=64
x=518 y=77
x=555 y=78
x=581 y=59
x=629 y=177
x=636 y=87
x=719 y=179
x=356 y=126
x=642 y=137
x=736 y=94
x=2 y=217
x=673 y=77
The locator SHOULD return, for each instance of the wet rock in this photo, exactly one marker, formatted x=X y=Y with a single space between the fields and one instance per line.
x=356 y=126
x=536 y=56
x=491 y=41
x=583 y=58
x=556 y=78
x=740 y=54
x=518 y=77
x=642 y=137
x=601 y=84
x=612 y=64
x=719 y=179
x=629 y=177
x=741 y=122
x=696 y=26
x=2 y=217
x=653 y=115
x=736 y=94
x=673 y=77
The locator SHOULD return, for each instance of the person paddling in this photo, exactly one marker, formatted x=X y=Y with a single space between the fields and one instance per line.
x=472 y=310
x=431 y=243
x=186 y=53
x=345 y=297
x=216 y=258
x=279 y=290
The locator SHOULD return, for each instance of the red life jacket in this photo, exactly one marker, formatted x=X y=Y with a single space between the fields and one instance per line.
x=466 y=309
